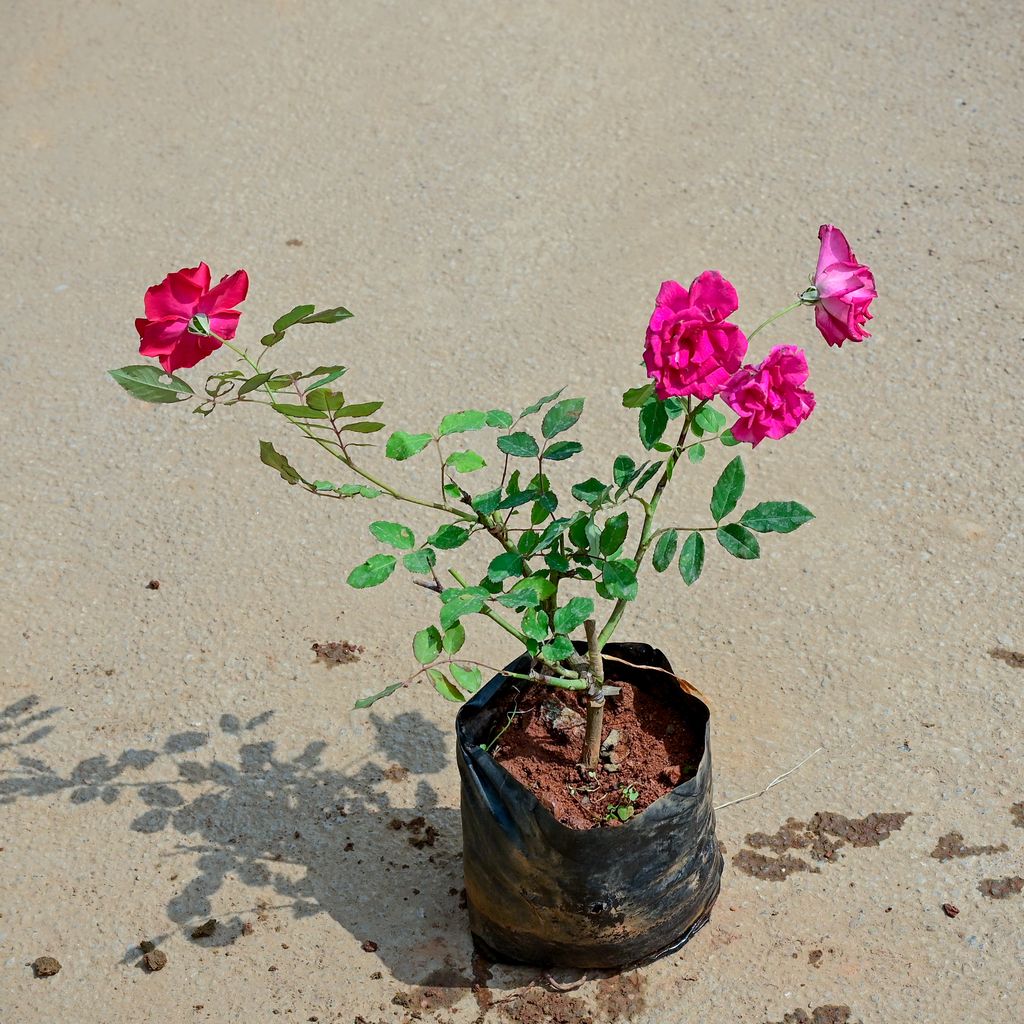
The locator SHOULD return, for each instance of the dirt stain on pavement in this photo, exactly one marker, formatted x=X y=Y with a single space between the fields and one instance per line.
x=1015 y=659
x=1017 y=812
x=822 y=836
x=1001 y=888
x=830 y=1014
x=952 y=845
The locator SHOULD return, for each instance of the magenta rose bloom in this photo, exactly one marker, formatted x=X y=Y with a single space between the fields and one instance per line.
x=845 y=290
x=691 y=348
x=164 y=332
x=770 y=398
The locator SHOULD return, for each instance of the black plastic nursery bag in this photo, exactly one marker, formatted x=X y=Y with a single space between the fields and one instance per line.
x=542 y=893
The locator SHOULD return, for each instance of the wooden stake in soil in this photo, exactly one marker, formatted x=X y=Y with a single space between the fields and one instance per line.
x=595 y=700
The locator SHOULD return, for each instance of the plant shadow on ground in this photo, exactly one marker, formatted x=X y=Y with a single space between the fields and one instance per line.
x=321 y=839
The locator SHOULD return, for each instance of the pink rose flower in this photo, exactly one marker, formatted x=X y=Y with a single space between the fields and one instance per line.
x=769 y=398
x=691 y=349
x=845 y=289
x=167 y=331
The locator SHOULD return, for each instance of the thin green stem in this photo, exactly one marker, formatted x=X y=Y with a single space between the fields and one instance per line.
x=775 y=316
x=647 y=530
x=344 y=457
x=492 y=615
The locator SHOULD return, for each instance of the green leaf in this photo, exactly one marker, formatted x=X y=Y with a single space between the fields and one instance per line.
x=420 y=562
x=395 y=534
x=365 y=702
x=709 y=419
x=520 y=444
x=562 y=450
x=728 y=439
x=517 y=499
x=402 y=446
x=574 y=614
x=738 y=541
x=561 y=416
x=333 y=373
x=646 y=476
x=448 y=537
x=559 y=649
x=528 y=593
x=499 y=418
x=358 y=409
x=535 y=624
x=151 y=384
x=325 y=400
x=552 y=532
x=328 y=316
x=487 y=502
x=665 y=550
x=674 y=407
x=776 y=517
x=468 y=677
x=623 y=470
x=614 y=533
x=454 y=492
x=371 y=573
x=444 y=686
x=540 y=403
x=465 y=462
x=364 y=427
x=299 y=412
x=282 y=323
x=426 y=645
x=592 y=492
x=505 y=566
x=557 y=562
x=619 y=577
x=454 y=638
x=255 y=382
x=271 y=457
x=460 y=422
x=691 y=558
x=463 y=602
x=696 y=453
x=352 y=490
x=728 y=490
x=636 y=398
x=652 y=423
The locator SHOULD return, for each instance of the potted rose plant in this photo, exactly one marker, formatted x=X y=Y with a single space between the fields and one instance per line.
x=588 y=826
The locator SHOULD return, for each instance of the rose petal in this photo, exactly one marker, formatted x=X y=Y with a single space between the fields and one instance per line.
x=228 y=293
x=834 y=248
x=712 y=293
x=159 y=337
x=178 y=293
x=190 y=350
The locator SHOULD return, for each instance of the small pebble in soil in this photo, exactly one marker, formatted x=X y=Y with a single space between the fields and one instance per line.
x=155 y=960
x=205 y=930
x=153 y=585
x=146 y=946
x=45 y=966
x=950 y=910
x=369 y=946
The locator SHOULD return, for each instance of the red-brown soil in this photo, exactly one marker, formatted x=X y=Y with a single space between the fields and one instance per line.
x=543 y=745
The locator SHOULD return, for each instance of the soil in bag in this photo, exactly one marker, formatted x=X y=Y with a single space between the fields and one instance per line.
x=602 y=870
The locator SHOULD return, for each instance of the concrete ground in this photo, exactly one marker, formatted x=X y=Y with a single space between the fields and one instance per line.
x=496 y=191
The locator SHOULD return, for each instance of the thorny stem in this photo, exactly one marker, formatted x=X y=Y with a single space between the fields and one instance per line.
x=595 y=700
